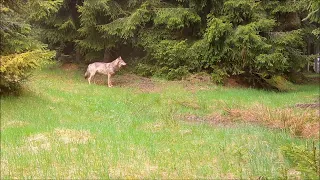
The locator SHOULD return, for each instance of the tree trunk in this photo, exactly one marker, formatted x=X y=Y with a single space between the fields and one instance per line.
x=106 y=55
x=78 y=55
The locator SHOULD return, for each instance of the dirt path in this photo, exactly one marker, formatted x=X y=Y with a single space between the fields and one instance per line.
x=192 y=84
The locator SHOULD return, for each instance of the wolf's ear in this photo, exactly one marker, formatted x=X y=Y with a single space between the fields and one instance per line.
x=118 y=60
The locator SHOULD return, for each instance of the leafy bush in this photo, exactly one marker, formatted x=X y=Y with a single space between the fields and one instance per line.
x=170 y=53
x=172 y=73
x=16 y=68
x=171 y=60
x=271 y=63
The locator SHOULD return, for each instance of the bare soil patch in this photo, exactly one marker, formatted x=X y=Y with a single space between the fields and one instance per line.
x=196 y=82
x=37 y=143
x=73 y=136
x=308 y=105
x=133 y=81
x=130 y=81
x=143 y=84
x=199 y=78
x=214 y=119
x=237 y=81
x=69 y=66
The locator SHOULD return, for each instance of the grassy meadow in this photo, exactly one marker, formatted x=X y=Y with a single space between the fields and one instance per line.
x=62 y=127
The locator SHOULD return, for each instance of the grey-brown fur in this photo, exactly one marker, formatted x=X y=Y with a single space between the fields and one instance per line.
x=104 y=68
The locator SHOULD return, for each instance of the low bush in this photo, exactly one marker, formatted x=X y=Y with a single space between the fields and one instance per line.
x=304 y=159
x=144 y=70
x=219 y=75
x=16 y=68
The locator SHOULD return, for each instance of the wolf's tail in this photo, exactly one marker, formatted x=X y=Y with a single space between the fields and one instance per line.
x=86 y=75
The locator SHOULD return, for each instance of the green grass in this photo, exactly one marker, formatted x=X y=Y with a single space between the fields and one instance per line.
x=61 y=127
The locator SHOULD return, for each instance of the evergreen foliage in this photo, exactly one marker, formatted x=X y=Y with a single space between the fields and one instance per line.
x=20 y=49
x=16 y=68
x=304 y=159
x=172 y=38
x=59 y=22
x=15 y=33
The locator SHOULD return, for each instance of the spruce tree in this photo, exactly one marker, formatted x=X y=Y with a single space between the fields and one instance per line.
x=21 y=51
x=171 y=38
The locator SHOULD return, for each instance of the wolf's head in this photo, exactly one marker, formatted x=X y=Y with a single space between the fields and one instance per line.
x=120 y=62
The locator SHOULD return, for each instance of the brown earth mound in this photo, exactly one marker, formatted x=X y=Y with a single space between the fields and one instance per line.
x=308 y=105
x=236 y=81
x=69 y=66
x=133 y=81
x=130 y=81
x=143 y=84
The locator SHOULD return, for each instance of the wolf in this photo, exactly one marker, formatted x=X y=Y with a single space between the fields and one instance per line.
x=104 y=68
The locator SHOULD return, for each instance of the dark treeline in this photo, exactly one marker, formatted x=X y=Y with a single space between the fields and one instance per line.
x=260 y=40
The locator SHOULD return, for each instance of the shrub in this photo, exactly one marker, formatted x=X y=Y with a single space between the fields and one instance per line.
x=219 y=75
x=20 y=48
x=172 y=73
x=144 y=70
x=304 y=159
x=170 y=60
x=16 y=68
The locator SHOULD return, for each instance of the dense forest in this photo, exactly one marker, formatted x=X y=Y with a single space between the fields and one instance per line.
x=259 y=40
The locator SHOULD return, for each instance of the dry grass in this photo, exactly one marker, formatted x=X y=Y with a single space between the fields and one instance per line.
x=43 y=141
x=37 y=143
x=4 y=166
x=299 y=122
x=153 y=127
x=14 y=124
x=73 y=136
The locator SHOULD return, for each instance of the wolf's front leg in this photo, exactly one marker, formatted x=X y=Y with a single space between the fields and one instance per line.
x=109 y=81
